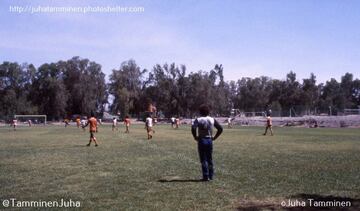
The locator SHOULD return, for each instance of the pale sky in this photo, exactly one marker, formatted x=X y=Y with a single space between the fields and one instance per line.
x=250 y=38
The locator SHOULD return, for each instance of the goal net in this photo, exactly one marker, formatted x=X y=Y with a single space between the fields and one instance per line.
x=253 y=114
x=35 y=119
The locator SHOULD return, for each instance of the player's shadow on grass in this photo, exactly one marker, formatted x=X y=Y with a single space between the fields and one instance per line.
x=180 y=180
x=258 y=205
x=83 y=145
x=79 y=146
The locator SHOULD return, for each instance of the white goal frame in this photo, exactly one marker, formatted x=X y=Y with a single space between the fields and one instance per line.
x=348 y=111
x=29 y=116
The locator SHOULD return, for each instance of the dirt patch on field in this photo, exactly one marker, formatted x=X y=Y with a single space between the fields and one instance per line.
x=253 y=204
x=352 y=121
x=298 y=202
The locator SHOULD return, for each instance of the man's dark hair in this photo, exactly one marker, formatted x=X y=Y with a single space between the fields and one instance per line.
x=92 y=114
x=204 y=110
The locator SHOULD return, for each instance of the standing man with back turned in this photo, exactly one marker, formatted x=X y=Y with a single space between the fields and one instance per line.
x=202 y=131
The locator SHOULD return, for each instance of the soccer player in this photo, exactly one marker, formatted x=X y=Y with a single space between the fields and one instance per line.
x=202 y=131
x=66 y=121
x=268 y=112
x=268 y=125
x=14 y=124
x=29 y=122
x=148 y=126
x=173 y=122
x=229 y=123
x=83 y=123
x=127 y=124
x=177 y=122
x=78 y=122
x=114 y=124
x=92 y=129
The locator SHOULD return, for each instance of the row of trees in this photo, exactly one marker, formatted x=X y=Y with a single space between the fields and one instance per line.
x=78 y=86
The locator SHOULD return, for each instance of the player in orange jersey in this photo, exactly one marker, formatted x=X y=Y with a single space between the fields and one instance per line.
x=127 y=124
x=92 y=129
x=177 y=122
x=78 y=122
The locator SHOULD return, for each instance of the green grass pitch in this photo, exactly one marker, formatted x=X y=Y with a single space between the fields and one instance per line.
x=128 y=172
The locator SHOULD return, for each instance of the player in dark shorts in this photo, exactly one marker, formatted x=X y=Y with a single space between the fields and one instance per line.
x=66 y=121
x=268 y=126
x=173 y=122
x=92 y=129
x=14 y=123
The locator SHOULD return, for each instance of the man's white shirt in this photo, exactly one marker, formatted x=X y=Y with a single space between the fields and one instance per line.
x=149 y=122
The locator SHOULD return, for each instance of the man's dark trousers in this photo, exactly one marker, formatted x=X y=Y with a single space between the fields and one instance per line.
x=205 y=148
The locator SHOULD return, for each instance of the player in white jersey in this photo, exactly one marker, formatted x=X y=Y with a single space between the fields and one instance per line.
x=83 y=123
x=229 y=122
x=14 y=123
x=173 y=122
x=114 y=124
x=148 y=126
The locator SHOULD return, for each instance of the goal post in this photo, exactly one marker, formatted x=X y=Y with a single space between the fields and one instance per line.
x=348 y=111
x=31 y=117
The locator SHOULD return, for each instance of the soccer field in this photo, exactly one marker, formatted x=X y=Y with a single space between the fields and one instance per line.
x=128 y=172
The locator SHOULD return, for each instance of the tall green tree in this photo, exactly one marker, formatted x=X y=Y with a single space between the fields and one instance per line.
x=331 y=96
x=166 y=87
x=49 y=92
x=356 y=93
x=126 y=86
x=15 y=82
x=310 y=94
x=85 y=82
x=347 y=89
x=291 y=94
x=222 y=92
